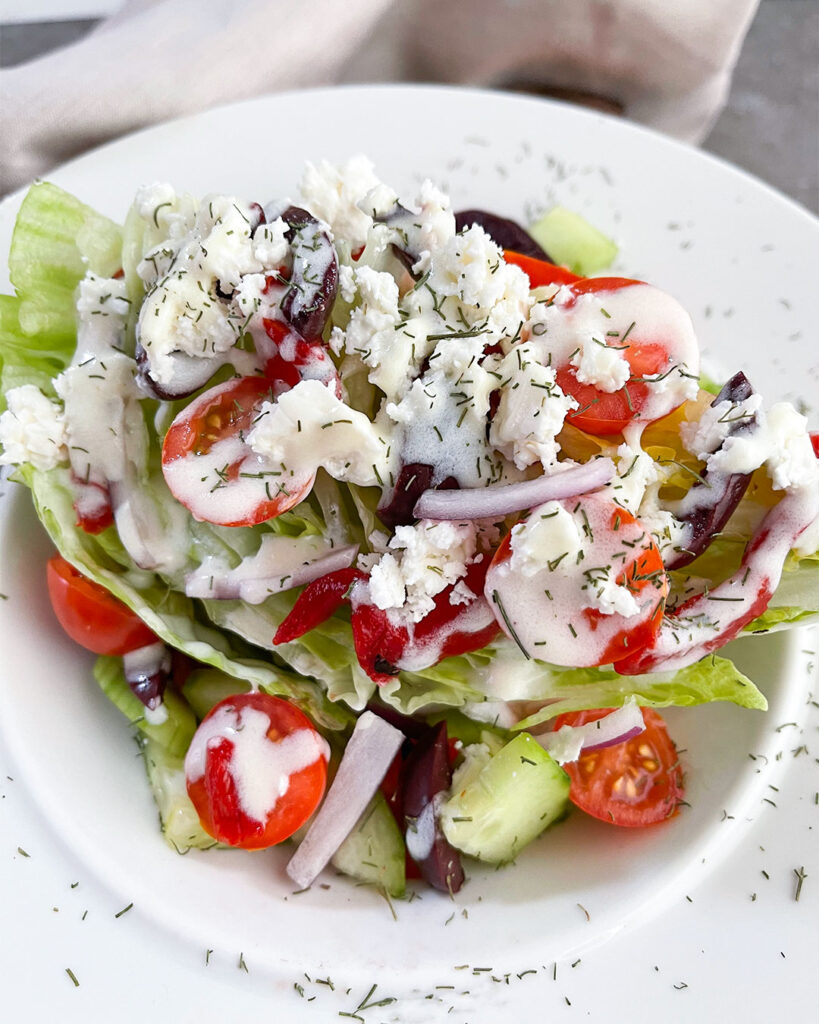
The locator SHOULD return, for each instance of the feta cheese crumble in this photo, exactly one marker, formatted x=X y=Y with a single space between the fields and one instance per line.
x=781 y=443
x=423 y=560
x=32 y=429
x=309 y=427
x=551 y=532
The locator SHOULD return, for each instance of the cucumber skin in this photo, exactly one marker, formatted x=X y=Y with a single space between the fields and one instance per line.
x=572 y=241
x=505 y=809
x=374 y=851
x=177 y=815
x=205 y=687
x=174 y=734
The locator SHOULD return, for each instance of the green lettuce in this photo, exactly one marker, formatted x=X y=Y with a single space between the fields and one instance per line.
x=175 y=618
x=56 y=239
x=710 y=679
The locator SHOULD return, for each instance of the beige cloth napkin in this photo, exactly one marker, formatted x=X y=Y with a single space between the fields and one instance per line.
x=663 y=63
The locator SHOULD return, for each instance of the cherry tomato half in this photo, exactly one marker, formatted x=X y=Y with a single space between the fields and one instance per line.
x=653 y=343
x=212 y=471
x=91 y=616
x=639 y=782
x=551 y=612
x=255 y=770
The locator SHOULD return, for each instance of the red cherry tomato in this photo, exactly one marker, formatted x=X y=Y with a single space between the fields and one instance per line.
x=639 y=782
x=649 y=357
x=814 y=440
x=256 y=770
x=91 y=616
x=548 y=613
x=213 y=473
x=540 y=272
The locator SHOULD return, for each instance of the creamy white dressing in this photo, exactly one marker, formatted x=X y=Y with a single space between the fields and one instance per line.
x=571 y=607
x=281 y=563
x=706 y=622
x=260 y=767
x=576 y=330
x=309 y=427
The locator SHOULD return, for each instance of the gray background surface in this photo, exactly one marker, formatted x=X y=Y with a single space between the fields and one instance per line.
x=769 y=127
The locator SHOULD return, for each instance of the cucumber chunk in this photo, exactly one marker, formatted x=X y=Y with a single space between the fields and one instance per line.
x=177 y=815
x=205 y=687
x=501 y=803
x=573 y=242
x=174 y=733
x=374 y=851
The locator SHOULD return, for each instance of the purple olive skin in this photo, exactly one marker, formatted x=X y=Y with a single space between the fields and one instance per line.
x=720 y=494
x=427 y=773
x=506 y=233
x=413 y=479
x=168 y=393
x=149 y=688
x=308 y=302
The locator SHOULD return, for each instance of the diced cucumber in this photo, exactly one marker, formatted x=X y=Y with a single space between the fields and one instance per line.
x=177 y=815
x=469 y=731
x=174 y=733
x=501 y=803
x=573 y=242
x=205 y=687
x=374 y=851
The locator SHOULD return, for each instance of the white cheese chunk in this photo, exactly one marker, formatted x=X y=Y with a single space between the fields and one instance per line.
x=781 y=443
x=333 y=193
x=704 y=436
x=309 y=427
x=32 y=429
x=429 y=557
x=549 y=533
x=531 y=412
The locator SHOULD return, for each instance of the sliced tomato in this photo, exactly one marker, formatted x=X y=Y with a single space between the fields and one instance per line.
x=648 y=355
x=91 y=616
x=256 y=770
x=814 y=440
x=551 y=611
x=540 y=272
x=639 y=782
x=212 y=471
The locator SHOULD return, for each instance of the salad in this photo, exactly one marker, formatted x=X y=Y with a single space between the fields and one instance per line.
x=391 y=527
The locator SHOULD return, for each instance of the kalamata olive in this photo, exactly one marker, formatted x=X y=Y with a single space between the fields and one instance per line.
x=708 y=505
x=314 y=277
x=427 y=775
x=413 y=479
x=506 y=233
x=147 y=671
x=189 y=375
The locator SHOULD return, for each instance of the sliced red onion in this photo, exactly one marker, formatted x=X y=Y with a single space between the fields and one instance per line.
x=567 y=743
x=500 y=499
x=370 y=752
x=235 y=585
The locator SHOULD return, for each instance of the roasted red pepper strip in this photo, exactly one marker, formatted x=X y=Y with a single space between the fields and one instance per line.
x=316 y=603
x=540 y=272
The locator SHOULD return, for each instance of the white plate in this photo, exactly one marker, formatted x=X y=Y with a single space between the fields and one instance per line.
x=742 y=259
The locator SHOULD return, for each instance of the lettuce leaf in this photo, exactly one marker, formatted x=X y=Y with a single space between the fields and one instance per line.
x=712 y=678
x=169 y=613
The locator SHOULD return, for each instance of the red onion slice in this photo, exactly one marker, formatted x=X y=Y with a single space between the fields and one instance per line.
x=370 y=752
x=569 y=741
x=242 y=584
x=500 y=499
